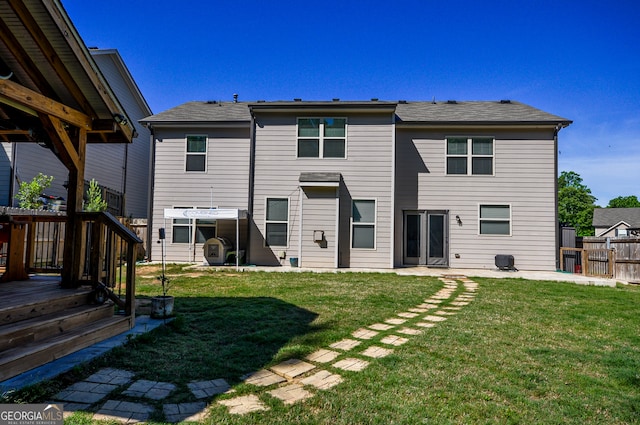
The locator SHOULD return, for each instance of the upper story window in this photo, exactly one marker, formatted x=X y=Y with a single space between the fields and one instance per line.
x=322 y=137
x=196 y=157
x=470 y=155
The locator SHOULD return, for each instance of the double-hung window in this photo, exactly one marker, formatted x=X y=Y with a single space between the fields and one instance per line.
x=322 y=137
x=181 y=229
x=495 y=220
x=363 y=224
x=470 y=155
x=277 y=222
x=196 y=156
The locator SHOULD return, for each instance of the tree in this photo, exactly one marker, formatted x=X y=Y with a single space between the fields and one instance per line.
x=28 y=195
x=624 y=202
x=575 y=203
x=95 y=203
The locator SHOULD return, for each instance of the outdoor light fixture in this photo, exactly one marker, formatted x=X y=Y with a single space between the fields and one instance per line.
x=120 y=119
x=458 y=220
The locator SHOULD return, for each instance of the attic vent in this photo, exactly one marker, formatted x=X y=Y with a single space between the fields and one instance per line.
x=374 y=99
x=402 y=102
x=452 y=102
x=336 y=99
x=505 y=101
x=297 y=99
x=212 y=102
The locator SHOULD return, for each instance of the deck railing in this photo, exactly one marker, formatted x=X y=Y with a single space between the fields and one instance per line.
x=34 y=243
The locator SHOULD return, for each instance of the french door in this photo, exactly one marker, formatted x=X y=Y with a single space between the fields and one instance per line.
x=426 y=238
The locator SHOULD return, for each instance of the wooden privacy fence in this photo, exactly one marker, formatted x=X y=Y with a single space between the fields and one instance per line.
x=604 y=257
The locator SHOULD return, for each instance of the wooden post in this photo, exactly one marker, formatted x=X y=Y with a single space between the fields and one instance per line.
x=15 y=254
x=130 y=308
x=585 y=261
x=73 y=247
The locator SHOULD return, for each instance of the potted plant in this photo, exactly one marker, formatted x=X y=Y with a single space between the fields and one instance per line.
x=162 y=305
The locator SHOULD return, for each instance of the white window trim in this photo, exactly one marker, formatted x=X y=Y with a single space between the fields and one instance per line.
x=375 y=225
x=205 y=153
x=496 y=219
x=321 y=137
x=190 y=226
x=470 y=155
x=264 y=243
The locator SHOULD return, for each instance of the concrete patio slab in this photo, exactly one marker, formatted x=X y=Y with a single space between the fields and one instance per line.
x=394 y=340
x=292 y=368
x=244 y=404
x=351 y=364
x=123 y=411
x=409 y=331
x=395 y=321
x=291 y=394
x=322 y=356
x=189 y=412
x=376 y=352
x=364 y=333
x=381 y=326
x=322 y=380
x=150 y=389
x=203 y=389
x=345 y=344
x=263 y=378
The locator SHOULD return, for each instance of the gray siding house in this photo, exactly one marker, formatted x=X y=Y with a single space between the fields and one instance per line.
x=361 y=184
x=122 y=170
x=612 y=222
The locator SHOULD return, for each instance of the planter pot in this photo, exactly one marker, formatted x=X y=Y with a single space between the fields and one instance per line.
x=162 y=306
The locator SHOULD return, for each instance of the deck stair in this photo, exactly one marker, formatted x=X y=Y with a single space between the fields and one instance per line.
x=41 y=322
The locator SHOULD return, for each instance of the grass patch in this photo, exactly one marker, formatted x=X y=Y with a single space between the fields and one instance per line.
x=521 y=352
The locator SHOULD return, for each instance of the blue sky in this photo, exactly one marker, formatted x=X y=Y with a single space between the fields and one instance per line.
x=576 y=59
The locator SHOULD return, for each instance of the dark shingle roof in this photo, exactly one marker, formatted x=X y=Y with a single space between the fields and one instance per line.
x=474 y=112
x=201 y=112
x=607 y=217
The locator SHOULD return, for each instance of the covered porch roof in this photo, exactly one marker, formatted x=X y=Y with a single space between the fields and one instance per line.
x=47 y=71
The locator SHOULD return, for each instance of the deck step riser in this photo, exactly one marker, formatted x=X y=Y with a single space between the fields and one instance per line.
x=43 y=307
x=42 y=327
x=21 y=359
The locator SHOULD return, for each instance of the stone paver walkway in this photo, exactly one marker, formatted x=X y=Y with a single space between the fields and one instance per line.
x=291 y=381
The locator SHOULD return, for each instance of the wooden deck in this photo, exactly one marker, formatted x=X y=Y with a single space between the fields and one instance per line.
x=40 y=322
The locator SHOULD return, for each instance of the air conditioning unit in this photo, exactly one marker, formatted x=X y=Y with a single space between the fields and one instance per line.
x=505 y=262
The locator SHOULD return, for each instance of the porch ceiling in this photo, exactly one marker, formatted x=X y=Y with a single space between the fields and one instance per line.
x=46 y=69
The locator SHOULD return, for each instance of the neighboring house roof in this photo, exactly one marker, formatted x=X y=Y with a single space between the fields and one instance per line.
x=607 y=217
x=467 y=113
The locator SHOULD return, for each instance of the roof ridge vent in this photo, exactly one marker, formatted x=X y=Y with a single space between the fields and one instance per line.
x=402 y=102
x=503 y=101
x=452 y=102
x=212 y=102
x=297 y=99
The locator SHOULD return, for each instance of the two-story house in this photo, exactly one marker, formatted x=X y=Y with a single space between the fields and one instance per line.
x=361 y=184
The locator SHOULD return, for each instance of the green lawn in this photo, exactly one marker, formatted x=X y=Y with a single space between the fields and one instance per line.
x=521 y=352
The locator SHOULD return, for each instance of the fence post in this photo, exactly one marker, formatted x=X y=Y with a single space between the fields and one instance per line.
x=585 y=261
